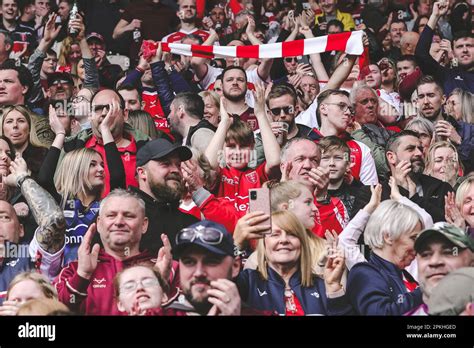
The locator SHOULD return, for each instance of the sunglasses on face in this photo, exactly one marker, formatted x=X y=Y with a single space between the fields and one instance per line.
x=292 y=59
x=62 y=82
x=207 y=235
x=286 y=110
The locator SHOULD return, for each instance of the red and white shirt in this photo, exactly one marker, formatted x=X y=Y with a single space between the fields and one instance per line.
x=177 y=36
x=153 y=107
x=235 y=184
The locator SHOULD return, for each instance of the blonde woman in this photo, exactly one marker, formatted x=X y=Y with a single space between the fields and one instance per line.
x=143 y=121
x=285 y=196
x=212 y=106
x=442 y=162
x=69 y=55
x=26 y=286
x=284 y=281
x=459 y=209
x=80 y=181
x=460 y=105
x=19 y=126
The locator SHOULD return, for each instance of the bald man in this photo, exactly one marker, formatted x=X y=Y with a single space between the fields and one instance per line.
x=408 y=42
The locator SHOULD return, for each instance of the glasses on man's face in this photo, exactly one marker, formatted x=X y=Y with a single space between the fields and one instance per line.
x=286 y=110
x=343 y=106
x=59 y=82
x=292 y=59
x=207 y=235
x=99 y=109
x=79 y=99
x=132 y=285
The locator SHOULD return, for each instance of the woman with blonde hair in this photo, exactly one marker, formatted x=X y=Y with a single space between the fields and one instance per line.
x=26 y=286
x=459 y=209
x=284 y=274
x=460 y=105
x=80 y=180
x=142 y=120
x=19 y=126
x=69 y=55
x=212 y=106
x=442 y=162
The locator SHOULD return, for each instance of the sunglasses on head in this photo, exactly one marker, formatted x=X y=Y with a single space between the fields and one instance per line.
x=286 y=110
x=207 y=235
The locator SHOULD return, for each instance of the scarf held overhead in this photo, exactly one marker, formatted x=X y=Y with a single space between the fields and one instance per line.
x=349 y=42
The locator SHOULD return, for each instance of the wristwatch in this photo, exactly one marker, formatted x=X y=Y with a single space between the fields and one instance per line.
x=21 y=179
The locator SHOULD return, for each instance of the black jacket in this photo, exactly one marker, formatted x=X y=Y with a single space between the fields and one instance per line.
x=432 y=201
x=162 y=218
x=354 y=196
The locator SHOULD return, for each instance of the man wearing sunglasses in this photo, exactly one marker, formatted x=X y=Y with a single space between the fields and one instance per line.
x=206 y=268
x=281 y=103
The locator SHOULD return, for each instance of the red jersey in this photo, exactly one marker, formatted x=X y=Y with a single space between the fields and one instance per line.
x=249 y=117
x=153 y=107
x=235 y=184
x=177 y=36
x=129 y=159
x=332 y=216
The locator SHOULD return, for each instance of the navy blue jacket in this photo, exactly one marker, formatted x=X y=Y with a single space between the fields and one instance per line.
x=376 y=288
x=449 y=78
x=12 y=266
x=269 y=294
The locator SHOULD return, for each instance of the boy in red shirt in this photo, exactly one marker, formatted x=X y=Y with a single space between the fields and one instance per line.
x=233 y=145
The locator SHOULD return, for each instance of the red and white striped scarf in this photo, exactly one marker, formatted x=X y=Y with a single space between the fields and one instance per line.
x=349 y=42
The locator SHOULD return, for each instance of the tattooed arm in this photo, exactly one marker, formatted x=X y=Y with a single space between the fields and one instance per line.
x=50 y=234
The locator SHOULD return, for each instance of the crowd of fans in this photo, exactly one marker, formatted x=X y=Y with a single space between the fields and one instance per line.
x=127 y=171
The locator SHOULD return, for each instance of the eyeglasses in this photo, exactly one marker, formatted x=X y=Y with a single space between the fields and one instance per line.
x=57 y=82
x=79 y=99
x=344 y=107
x=291 y=59
x=99 y=109
x=207 y=235
x=132 y=285
x=286 y=110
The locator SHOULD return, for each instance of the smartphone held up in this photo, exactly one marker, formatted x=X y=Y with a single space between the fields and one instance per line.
x=259 y=200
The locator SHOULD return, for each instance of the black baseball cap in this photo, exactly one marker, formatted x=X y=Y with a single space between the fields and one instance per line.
x=60 y=76
x=206 y=234
x=159 y=148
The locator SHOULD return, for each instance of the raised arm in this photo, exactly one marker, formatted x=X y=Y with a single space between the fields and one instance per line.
x=123 y=27
x=317 y=64
x=37 y=58
x=91 y=75
x=217 y=143
x=161 y=80
x=47 y=213
x=265 y=66
x=199 y=64
x=341 y=73
x=270 y=144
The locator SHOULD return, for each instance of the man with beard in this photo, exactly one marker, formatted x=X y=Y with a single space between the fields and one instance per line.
x=430 y=105
x=206 y=268
x=461 y=76
x=127 y=139
x=281 y=102
x=404 y=154
x=440 y=250
x=161 y=187
x=186 y=120
x=187 y=17
x=60 y=86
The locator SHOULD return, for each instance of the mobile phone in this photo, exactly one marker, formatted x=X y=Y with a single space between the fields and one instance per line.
x=259 y=200
x=306 y=6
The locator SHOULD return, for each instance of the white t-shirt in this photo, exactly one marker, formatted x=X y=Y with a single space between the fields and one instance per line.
x=49 y=264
